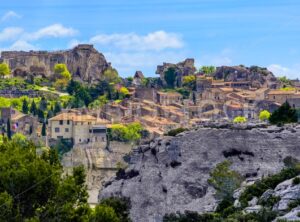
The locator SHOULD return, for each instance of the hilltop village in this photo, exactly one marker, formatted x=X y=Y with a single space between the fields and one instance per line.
x=182 y=96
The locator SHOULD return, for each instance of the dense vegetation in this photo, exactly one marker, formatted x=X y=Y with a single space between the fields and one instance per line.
x=126 y=133
x=284 y=114
x=33 y=188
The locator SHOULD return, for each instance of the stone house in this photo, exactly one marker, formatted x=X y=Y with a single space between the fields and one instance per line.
x=168 y=98
x=80 y=128
x=281 y=96
x=20 y=122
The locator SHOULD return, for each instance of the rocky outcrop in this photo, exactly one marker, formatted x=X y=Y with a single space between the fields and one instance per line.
x=173 y=171
x=84 y=62
x=187 y=67
x=257 y=76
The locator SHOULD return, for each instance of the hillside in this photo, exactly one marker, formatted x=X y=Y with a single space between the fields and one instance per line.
x=170 y=174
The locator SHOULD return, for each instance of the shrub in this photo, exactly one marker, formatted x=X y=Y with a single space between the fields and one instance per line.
x=284 y=114
x=264 y=115
x=259 y=187
x=174 y=132
x=224 y=180
x=239 y=119
x=296 y=181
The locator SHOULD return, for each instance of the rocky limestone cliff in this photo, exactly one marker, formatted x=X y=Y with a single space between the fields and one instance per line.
x=83 y=61
x=170 y=174
x=257 y=76
x=100 y=164
x=184 y=68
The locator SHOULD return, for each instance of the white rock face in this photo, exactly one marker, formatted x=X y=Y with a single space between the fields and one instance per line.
x=176 y=178
x=291 y=216
x=288 y=193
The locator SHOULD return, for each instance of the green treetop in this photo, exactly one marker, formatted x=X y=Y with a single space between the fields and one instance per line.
x=4 y=69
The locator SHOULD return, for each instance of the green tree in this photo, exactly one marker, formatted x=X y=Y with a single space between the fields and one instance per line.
x=33 y=108
x=170 y=77
x=44 y=130
x=25 y=106
x=57 y=107
x=20 y=139
x=103 y=213
x=284 y=114
x=4 y=69
x=264 y=115
x=207 y=70
x=6 y=205
x=41 y=115
x=62 y=70
x=120 y=205
x=43 y=104
x=111 y=75
x=224 y=180
x=8 y=129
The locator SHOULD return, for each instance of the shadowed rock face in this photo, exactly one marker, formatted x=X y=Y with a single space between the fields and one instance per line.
x=83 y=61
x=162 y=187
x=257 y=76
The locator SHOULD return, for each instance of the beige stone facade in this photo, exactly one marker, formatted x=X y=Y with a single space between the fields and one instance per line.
x=81 y=128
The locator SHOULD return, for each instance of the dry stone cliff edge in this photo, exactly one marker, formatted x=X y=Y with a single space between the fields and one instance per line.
x=83 y=61
x=170 y=174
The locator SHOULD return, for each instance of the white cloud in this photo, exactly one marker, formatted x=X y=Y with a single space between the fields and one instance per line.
x=73 y=43
x=9 y=15
x=22 y=45
x=157 y=41
x=54 y=31
x=280 y=70
x=218 y=59
x=128 y=62
x=10 y=33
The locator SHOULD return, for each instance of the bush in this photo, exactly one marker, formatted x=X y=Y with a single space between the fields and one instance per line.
x=284 y=114
x=224 y=180
x=296 y=181
x=264 y=115
x=127 y=133
x=239 y=119
x=259 y=187
x=174 y=132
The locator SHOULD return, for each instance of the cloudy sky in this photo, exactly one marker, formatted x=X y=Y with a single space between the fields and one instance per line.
x=140 y=34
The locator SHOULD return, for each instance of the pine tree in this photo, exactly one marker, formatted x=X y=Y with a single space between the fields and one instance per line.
x=284 y=114
x=33 y=109
x=8 y=131
x=25 y=108
x=44 y=131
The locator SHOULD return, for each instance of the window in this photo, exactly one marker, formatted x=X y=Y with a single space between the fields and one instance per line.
x=61 y=122
x=68 y=122
x=66 y=130
x=57 y=130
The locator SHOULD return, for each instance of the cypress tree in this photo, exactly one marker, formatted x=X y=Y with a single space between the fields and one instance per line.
x=44 y=131
x=33 y=108
x=25 y=108
x=57 y=108
x=8 y=131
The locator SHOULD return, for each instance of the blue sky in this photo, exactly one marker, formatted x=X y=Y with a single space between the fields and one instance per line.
x=141 y=34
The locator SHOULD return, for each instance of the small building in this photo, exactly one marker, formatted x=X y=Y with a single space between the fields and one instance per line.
x=80 y=128
x=19 y=122
x=281 y=96
x=168 y=98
